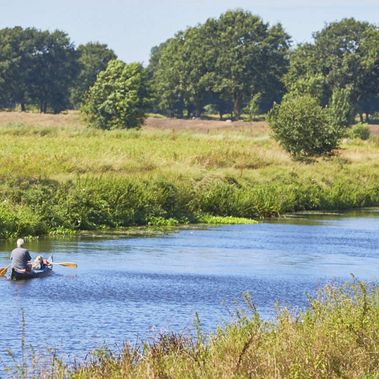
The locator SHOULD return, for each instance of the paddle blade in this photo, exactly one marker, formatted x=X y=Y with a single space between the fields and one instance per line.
x=3 y=271
x=66 y=264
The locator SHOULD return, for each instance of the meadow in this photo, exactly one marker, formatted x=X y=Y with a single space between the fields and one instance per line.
x=58 y=176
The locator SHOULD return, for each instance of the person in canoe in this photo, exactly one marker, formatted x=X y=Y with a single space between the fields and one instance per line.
x=21 y=259
x=40 y=263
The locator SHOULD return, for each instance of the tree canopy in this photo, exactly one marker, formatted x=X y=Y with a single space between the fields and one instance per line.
x=344 y=55
x=224 y=62
x=93 y=58
x=117 y=99
x=227 y=65
x=36 y=67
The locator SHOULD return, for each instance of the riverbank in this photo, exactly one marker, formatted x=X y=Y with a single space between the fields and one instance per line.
x=336 y=337
x=58 y=177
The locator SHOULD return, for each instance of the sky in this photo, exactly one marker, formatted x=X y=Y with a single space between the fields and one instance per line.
x=132 y=27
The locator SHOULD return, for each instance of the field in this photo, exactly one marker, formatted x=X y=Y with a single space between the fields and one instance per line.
x=57 y=175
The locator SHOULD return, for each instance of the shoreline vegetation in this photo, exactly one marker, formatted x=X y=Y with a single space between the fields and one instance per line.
x=59 y=177
x=337 y=336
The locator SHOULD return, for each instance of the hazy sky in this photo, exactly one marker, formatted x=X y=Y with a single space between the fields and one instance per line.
x=132 y=27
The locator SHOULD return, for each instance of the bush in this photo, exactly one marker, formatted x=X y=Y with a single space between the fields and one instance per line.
x=117 y=99
x=360 y=131
x=303 y=127
x=19 y=220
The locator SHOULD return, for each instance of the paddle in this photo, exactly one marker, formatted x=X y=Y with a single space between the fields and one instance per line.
x=65 y=264
x=3 y=270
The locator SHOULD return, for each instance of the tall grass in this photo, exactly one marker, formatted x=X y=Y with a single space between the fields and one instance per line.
x=336 y=337
x=57 y=176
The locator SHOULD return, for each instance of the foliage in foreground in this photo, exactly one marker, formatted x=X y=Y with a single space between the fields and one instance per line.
x=336 y=337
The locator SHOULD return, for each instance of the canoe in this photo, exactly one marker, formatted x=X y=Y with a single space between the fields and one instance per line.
x=46 y=271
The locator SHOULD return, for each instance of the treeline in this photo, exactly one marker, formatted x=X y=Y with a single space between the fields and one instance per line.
x=44 y=70
x=231 y=65
x=238 y=63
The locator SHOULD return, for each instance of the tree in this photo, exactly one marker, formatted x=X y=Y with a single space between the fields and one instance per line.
x=167 y=80
x=252 y=108
x=93 y=58
x=16 y=56
x=369 y=102
x=251 y=58
x=341 y=108
x=154 y=105
x=303 y=127
x=55 y=68
x=36 y=67
x=223 y=62
x=118 y=97
x=345 y=55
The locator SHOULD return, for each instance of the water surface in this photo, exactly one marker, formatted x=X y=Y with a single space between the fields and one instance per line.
x=133 y=288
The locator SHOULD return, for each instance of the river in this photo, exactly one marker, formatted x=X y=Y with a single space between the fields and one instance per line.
x=134 y=288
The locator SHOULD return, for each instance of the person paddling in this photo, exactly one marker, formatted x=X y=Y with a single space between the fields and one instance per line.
x=21 y=259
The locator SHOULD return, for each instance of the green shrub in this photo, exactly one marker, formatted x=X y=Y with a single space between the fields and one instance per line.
x=303 y=127
x=117 y=99
x=20 y=221
x=360 y=131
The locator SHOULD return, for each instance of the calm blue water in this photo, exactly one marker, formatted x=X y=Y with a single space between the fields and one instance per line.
x=133 y=288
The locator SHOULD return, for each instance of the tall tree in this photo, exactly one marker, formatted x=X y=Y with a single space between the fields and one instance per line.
x=55 y=68
x=251 y=57
x=345 y=56
x=167 y=77
x=36 y=67
x=223 y=62
x=368 y=102
x=93 y=58
x=17 y=50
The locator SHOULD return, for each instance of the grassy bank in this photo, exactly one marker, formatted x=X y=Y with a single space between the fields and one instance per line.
x=337 y=337
x=58 y=176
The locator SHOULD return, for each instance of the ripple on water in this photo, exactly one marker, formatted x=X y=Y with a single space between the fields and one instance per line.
x=133 y=288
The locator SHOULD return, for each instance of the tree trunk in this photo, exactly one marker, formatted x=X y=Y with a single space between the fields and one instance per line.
x=43 y=107
x=361 y=117
x=367 y=117
x=236 y=106
x=189 y=113
x=23 y=108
